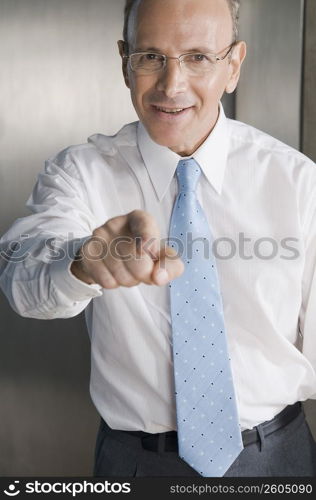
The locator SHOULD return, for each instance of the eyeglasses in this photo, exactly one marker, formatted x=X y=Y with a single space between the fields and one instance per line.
x=144 y=63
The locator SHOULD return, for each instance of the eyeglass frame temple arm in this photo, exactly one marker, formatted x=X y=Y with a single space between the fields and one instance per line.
x=229 y=50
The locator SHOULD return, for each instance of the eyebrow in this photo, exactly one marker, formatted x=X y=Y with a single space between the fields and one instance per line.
x=199 y=50
x=148 y=49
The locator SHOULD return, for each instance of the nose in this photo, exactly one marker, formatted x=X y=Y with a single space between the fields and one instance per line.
x=172 y=80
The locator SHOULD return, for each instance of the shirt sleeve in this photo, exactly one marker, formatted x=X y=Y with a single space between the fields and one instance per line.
x=37 y=251
x=308 y=309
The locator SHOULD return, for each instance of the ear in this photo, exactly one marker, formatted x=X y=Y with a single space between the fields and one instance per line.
x=239 y=52
x=122 y=46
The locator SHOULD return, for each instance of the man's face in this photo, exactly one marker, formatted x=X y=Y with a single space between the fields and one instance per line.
x=173 y=28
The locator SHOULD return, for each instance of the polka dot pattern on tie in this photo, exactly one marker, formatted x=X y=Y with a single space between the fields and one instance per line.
x=208 y=429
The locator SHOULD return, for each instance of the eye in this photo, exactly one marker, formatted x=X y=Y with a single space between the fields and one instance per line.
x=199 y=58
x=152 y=57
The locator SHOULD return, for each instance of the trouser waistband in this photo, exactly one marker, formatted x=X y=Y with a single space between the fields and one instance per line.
x=168 y=441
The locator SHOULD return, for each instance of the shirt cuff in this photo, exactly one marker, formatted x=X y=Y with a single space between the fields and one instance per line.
x=65 y=281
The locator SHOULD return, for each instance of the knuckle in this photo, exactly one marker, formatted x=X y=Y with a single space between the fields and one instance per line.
x=121 y=248
x=113 y=227
x=94 y=249
x=137 y=213
x=98 y=231
x=99 y=234
x=132 y=282
x=143 y=277
x=110 y=284
x=121 y=275
x=140 y=220
x=112 y=224
x=107 y=281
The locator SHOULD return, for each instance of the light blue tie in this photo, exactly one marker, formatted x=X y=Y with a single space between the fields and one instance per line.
x=209 y=436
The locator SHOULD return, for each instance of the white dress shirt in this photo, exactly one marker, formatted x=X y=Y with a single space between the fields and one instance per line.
x=256 y=192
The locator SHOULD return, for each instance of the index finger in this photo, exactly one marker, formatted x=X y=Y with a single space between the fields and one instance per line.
x=143 y=227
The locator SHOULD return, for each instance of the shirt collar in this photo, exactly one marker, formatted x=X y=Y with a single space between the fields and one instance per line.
x=161 y=162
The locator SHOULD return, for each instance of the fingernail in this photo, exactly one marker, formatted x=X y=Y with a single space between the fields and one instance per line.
x=162 y=277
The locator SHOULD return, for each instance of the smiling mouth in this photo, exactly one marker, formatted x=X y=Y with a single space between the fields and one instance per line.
x=170 y=111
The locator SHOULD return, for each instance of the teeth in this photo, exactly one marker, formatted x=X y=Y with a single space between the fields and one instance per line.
x=170 y=110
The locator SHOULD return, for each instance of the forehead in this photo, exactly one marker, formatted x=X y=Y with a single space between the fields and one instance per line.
x=182 y=24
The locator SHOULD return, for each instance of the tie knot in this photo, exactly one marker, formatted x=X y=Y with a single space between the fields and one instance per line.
x=188 y=173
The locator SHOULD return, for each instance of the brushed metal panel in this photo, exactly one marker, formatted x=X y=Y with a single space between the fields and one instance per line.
x=269 y=93
x=60 y=82
x=309 y=83
x=309 y=125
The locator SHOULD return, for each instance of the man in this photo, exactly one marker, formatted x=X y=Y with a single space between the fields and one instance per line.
x=102 y=212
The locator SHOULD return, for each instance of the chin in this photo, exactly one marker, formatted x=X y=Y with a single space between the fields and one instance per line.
x=163 y=138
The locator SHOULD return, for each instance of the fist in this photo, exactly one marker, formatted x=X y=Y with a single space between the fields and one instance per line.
x=126 y=251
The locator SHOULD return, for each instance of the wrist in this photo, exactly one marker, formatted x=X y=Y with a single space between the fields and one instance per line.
x=77 y=269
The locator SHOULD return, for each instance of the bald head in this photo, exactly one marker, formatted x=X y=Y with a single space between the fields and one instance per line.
x=177 y=108
x=131 y=10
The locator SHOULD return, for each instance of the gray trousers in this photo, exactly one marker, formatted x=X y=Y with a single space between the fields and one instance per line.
x=289 y=451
